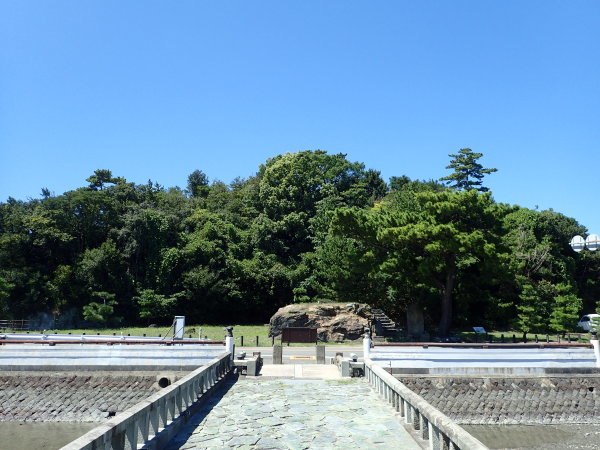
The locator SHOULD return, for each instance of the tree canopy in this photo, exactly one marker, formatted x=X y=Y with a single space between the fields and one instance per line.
x=468 y=172
x=309 y=226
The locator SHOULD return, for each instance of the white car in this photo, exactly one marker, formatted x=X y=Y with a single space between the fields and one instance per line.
x=585 y=321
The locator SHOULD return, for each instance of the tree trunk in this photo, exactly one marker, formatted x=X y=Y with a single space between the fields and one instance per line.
x=446 y=320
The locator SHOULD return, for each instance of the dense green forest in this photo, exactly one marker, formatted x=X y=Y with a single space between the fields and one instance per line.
x=308 y=226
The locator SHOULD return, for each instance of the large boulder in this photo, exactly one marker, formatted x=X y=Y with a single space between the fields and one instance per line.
x=335 y=322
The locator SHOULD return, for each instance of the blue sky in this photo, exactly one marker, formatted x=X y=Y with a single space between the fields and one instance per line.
x=157 y=89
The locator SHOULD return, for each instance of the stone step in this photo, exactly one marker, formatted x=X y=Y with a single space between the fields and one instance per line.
x=304 y=371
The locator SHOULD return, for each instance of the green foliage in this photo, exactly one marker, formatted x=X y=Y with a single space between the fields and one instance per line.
x=468 y=173
x=155 y=306
x=565 y=312
x=197 y=184
x=309 y=226
x=100 y=312
x=595 y=323
x=430 y=246
x=100 y=178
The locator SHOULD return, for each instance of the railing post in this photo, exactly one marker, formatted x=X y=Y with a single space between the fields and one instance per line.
x=408 y=412
x=367 y=344
x=596 y=345
x=118 y=440
x=229 y=342
x=144 y=425
x=434 y=437
x=424 y=428
x=131 y=435
x=416 y=419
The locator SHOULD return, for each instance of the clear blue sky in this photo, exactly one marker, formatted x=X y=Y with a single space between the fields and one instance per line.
x=157 y=89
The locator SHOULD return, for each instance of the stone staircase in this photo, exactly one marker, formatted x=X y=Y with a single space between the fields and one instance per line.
x=384 y=326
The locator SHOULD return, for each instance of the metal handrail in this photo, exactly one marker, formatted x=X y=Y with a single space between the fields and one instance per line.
x=486 y=345
x=115 y=341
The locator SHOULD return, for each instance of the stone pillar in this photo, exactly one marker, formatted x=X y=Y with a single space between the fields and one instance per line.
x=320 y=354
x=595 y=344
x=277 y=354
x=229 y=343
x=367 y=344
x=415 y=322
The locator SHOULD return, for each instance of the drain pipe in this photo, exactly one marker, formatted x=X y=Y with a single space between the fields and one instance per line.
x=596 y=345
x=229 y=345
x=367 y=344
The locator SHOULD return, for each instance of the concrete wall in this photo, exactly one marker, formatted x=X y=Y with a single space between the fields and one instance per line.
x=74 y=396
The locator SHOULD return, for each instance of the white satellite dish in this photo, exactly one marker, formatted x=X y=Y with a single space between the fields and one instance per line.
x=592 y=242
x=577 y=243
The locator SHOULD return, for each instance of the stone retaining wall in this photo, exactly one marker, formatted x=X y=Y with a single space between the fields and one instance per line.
x=72 y=396
x=510 y=400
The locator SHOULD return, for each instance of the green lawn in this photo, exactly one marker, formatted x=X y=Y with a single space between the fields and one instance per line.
x=249 y=334
x=496 y=336
x=216 y=332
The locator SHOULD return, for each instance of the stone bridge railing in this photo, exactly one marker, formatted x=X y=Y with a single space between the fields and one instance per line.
x=152 y=422
x=435 y=427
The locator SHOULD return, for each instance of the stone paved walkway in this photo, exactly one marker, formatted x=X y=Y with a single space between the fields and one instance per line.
x=294 y=414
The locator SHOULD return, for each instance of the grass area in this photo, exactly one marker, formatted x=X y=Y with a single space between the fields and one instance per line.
x=496 y=336
x=245 y=335
x=216 y=332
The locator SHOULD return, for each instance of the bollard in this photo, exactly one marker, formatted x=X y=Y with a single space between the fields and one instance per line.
x=502 y=338
x=257 y=341
x=241 y=341
x=514 y=339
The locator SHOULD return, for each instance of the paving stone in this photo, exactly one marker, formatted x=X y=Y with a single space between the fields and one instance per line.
x=300 y=414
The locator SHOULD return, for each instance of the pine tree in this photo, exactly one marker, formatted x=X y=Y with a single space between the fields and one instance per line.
x=468 y=173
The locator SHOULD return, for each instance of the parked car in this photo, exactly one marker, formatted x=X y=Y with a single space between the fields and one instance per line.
x=585 y=321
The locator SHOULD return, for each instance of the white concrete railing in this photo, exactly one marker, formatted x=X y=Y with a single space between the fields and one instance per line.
x=434 y=426
x=100 y=357
x=145 y=423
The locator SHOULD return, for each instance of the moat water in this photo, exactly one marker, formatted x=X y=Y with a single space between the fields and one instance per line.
x=40 y=435
x=534 y=437
x=54 y=435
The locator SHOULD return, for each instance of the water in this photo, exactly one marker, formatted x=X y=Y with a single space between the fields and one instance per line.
x=40 y=435
x=530 y=437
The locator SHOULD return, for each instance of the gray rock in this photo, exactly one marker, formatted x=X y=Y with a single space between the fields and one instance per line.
x=334 y=321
